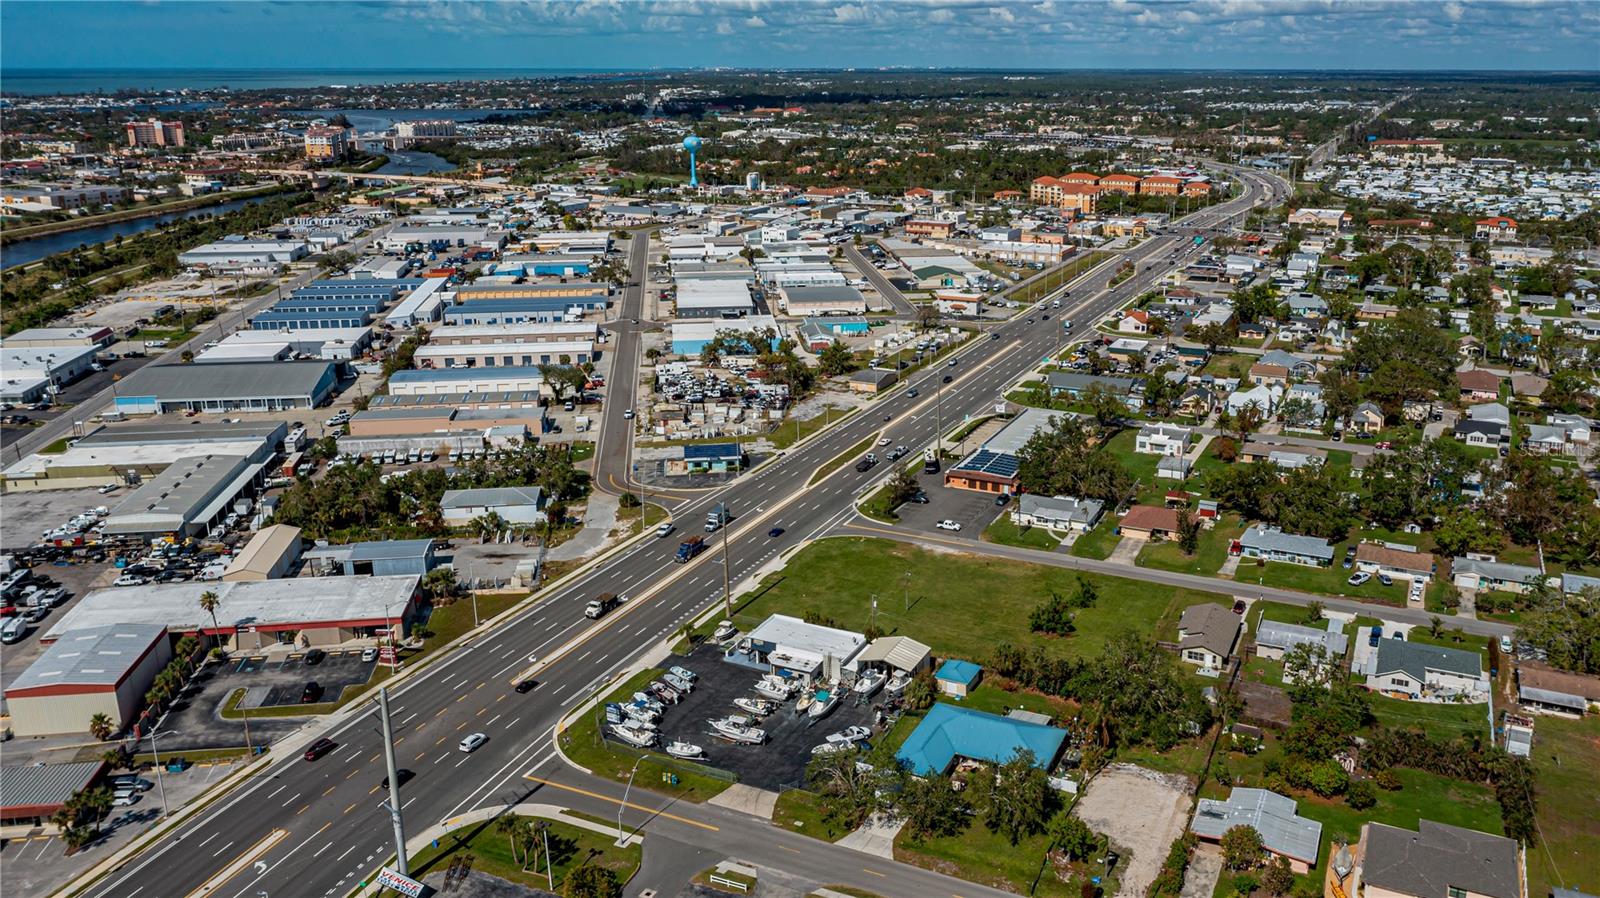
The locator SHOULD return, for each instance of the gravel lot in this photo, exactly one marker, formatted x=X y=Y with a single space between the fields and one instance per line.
x=1143 y=812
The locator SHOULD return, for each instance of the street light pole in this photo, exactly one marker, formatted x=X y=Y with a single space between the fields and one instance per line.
x=394 y=803
x=727 y=590
x=622 y=839
x=161 y=782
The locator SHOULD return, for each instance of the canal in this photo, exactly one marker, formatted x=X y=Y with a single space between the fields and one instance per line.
x=35 y=248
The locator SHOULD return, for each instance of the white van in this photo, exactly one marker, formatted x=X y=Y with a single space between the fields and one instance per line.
x=13 y=630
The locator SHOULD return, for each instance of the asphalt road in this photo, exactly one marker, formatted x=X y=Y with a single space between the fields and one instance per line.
x=880 y=282
x=336 y=833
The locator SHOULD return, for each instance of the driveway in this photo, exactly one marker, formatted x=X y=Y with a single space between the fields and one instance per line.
x=1127 y=551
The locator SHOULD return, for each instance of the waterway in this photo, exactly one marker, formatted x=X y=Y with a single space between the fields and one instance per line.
x=413 y=162
x=32 y=250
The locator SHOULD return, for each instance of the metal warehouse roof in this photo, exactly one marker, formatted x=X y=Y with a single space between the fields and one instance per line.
x=300 y=602
x=93 y=656
x=227 y=380
x=179 y=495
x=378 y=550
x=503 y=495
x=899 y=652
x=436 y=375
x=46 y=785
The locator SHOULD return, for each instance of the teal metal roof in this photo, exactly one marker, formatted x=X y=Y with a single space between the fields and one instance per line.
x=949 y=732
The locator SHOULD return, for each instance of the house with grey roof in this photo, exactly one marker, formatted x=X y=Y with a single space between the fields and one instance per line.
x=1057 y=512
x=1284 y=833
x=1438 y=861
x=1163 y=439
x=1207 y=634
x=1075 y=386
x=1576 y=583
x=1481 y=573
x=1274 y=639
x=1405 y=669
x=1272 y=544
x=1547 y=439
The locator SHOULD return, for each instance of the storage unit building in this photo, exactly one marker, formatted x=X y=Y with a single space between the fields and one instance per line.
x=242 y=386
x=88 y=671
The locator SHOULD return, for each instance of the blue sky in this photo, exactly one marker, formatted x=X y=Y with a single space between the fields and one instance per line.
x=611 y=34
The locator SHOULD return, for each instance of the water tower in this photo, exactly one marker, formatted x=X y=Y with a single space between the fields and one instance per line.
x=692 y=144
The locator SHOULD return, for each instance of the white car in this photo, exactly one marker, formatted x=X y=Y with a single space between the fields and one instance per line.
x=369 y=654
x=948 y=524
x=627 y=414
x=1358 y=578
x=473 y=742
x=129 y=580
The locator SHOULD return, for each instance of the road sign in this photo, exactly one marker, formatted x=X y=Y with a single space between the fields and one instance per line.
x=405 y=885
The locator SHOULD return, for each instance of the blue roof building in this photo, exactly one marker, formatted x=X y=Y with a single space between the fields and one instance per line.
x=519 y=310
x=949 y=732
x=957 y=678
x=275 y=319
x=712 y=458
x=331 y=303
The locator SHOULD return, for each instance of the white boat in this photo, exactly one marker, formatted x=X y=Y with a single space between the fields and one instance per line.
x=737 y=727
x=823 y=702
x=649 y=701
x=805 y=703
x=869 y=683
x=829 y=748
x=687 y=750
x=760 y=707
x=774 y=687
x=724 y=631
x=898 y=682
x=850 y=735
x=684 y=674
x=636 y=736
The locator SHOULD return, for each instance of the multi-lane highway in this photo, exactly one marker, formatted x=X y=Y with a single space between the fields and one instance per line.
x=334 y=832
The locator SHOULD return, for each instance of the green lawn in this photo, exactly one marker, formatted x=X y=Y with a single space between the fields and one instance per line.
x=800 y=811
x=1099 y=542
x=1208 y=557
x=987 y=858
x=570 y=848
x=789 y=433
x=582 y=744
x=1328 y=581
x=960 y=605
x=1050 y=280
x=1440 y=720
x=1004 y=532
x=1566 y=754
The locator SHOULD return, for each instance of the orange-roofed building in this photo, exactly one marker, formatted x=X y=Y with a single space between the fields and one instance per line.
x=1128 y=184
x=1160 y=185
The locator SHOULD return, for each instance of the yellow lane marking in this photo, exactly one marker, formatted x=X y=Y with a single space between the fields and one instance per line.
x=626 y=804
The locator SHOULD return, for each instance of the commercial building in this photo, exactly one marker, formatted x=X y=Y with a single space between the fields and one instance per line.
x=327 y=143
x=383 y=290
x=1284 y=833
x=60 y=337
x=949 y=733
x=61 y=196
x=244 y=255
x=471 y=310
x=154 y=133
x=84 y=672
x=803 y=301
x=458 y=381
x=137 y=451
x=712 y=298
x=305 y=317
x=690 y=337
x=186 y=499
x=382 y=558
x=425 y=129
x=29 y=373
x=707 y=458
x=788 y=645
x=421 y=306
x=514 y=504
x=993 y=467
x=225 y=387
x=442 y=237
x=439 y=420
x=303 y=611
x=528 y=332
x=1436 y=860
x=333 y=344
x=31 y=795
x=269 y=555
x=490 y=355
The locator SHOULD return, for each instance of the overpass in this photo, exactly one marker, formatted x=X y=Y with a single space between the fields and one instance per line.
x=374 y=176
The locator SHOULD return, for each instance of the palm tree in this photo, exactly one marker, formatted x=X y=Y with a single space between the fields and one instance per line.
x=510 y=827
x=100 y=726
x=209 y=600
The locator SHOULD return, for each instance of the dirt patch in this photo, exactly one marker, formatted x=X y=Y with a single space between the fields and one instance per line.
x=1143 y=812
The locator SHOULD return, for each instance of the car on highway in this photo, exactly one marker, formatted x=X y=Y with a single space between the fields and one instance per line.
x=627 y=414
x=953 y=362
x=774 y=533
x=403 y=775
x=473 y=742
x=523 y=687
x=948 y=524
x=911 y=393
x=948 y=378
x=898 y=453
x=883 y=442
x=319 y=748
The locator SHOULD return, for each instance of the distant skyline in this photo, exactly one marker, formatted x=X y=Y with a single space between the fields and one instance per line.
x=616 y=34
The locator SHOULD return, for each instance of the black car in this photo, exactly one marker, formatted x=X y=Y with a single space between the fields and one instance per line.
x=315 y=656
x=920 y=497
x=912 y=393
x=775 y=532
x=319 y=748
x=310 y=693
x=1001 y=499
x=948 y=378
x=524 y=687
x=403 y=775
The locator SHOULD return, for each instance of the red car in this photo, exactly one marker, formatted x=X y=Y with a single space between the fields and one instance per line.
x=320 y=748
x=1385 y=444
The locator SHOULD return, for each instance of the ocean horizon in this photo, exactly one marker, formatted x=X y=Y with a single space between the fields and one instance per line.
x=55 y=82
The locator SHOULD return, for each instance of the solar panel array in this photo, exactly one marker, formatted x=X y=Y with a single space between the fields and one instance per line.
x=985 y=461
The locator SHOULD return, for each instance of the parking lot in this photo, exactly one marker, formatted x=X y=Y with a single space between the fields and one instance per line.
x=973 y=511
x=196 y=720
x=779 y=763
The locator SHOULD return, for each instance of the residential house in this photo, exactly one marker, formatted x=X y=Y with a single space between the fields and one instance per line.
x=1490 y=411
x=1074 y=385
x=1487 y=573
x=1265 y=399
x=1438 y=861
x=1557 y=691
x=1284 y=833
x=1482 y=433
x=1307 y=305
x=1367 y=418
x=1149 y=522
x=1274 y=639
x=512 y=504
x=1495 y=229
x=1207 y=633
x=1413 y=670
x=1529 y=386
x=1197 y=402
x=1163 y=439
x=1546 y=439
x=1252 y=330
x=1264 y=375
x=1381 y=558
x=1057 y=512
x=1478 y=385
x=1272 y=544
x=1135 y=322
x=1577 y=427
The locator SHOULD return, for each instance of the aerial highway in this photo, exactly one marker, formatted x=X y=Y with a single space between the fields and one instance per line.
x=317 y=828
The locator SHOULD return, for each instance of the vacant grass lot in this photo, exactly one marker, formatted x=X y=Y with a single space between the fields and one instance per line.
x=987 y=858
x=791 y=432
x=960 y=605
x=1566 y=754
x=802 y=812
x=1208 y=556
x=570 y=848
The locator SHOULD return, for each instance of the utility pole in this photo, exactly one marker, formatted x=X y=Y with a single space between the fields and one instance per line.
x=394 y=803
x=727 y=590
